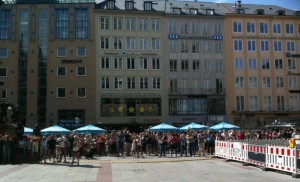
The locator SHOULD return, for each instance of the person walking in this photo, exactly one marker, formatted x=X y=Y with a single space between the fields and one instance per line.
x=76 y=149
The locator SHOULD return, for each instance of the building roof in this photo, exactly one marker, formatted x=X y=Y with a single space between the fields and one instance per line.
x=185 y=7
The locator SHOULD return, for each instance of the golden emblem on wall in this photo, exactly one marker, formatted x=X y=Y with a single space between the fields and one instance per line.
x=131 y=109
x=142 y=109
x=150 y=109
x=111 y=109
x=120 y=109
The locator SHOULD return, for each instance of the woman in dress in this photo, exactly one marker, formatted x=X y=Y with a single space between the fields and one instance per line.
x=76 y=149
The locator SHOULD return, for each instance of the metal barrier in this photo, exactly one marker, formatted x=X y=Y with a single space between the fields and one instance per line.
x=261 y=153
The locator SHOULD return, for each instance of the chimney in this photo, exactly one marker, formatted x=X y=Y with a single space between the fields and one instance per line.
x=239 y=4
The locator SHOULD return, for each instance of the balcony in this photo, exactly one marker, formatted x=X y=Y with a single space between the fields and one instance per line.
x=198 y=91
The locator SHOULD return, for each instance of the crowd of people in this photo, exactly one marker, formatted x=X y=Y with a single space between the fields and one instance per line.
x=123 y=143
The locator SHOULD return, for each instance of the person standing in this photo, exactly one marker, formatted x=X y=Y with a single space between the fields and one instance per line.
x=51 y=143
x=128 y=142
x=76 y=149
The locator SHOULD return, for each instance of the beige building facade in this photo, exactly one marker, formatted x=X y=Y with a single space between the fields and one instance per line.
x=47 y=61
x=262 y=65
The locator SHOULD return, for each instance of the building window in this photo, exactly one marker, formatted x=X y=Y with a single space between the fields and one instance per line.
x=194 y=27
x=118 y=23
x=280 y=103
x=277 y=46
x=155 y=25
x=218 y=27
x=81 y=23
x=219 y=65
x=264 y=45
x=61 y=52
x=252 y=82
x=195 y=46
x=143 y=43
x=278 y=64
x=218 y=46
x=130 y=63
x=172 y=46
x=251 y=64
x=289 y=28
x=292 y=82
x=207 y=85
x=143 y=64
x=104 y=23
x=156 y=83
x=81 y=92
x=277 y=28
x=130 y=24
x=253 y=103
x=105 y=82
x=238 y=63
x=184 y=27
x=266 y=82
x=250 y=27
x=239 y=82
x=143 y=24
x=104 y=44
x=155 y=44
x=155 y=64
x=81 y=52
x=111 y=4
x=131 y=83
x=3 y=52
x=61 y=71
x=173 y=65
x=172 y=26
x=129 y=5
x=265 y=64
x=117 y=43
x=184 y=65
x=118 y=63
x=147 y=6
x=130 y=43
x=143 y=83
x=81 y=71
x=279 y=82
x=184 y=45
x=263 y=27
x=118 y=83
x=196 y=65
x=267 y=103
x=173 y=86
x=291 y=64
x=176 y=10
x=251 y=45
x=294 y=103
x=290 y=46
x=207 y=65
x=104 y=63
x=3 y=72
x=239 y=103
x=206 y=46
x=5 y=22
x=62 y=23
x=205 y=27
x=61 y=92
x=238 y=45
x=237 y=27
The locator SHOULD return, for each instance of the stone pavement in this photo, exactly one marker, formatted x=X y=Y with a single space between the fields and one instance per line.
x=128 y=169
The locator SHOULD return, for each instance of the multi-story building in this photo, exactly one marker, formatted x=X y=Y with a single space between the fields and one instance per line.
x=195 y=62
x=48 y=60
x=262 y=51
x=130 y=66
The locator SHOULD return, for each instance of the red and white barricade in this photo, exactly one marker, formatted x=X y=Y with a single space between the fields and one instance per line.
x=282 y=158
x=257 y=154
x=238 y=151
x=221 y=148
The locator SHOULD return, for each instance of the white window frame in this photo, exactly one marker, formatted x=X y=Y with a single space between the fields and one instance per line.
x=77 y=92
x=62 y=49
x=57 y=92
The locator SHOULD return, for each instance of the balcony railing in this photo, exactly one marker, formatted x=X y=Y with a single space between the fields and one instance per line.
x=194 y=91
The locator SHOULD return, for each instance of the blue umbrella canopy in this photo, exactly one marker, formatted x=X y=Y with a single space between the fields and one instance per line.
x=90 y=129
x=164 y=128
x=55 y=130
x=28 y=131
x=224 y=126
x=193 y=126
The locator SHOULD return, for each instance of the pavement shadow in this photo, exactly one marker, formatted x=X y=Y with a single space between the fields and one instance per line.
x=73 y=165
